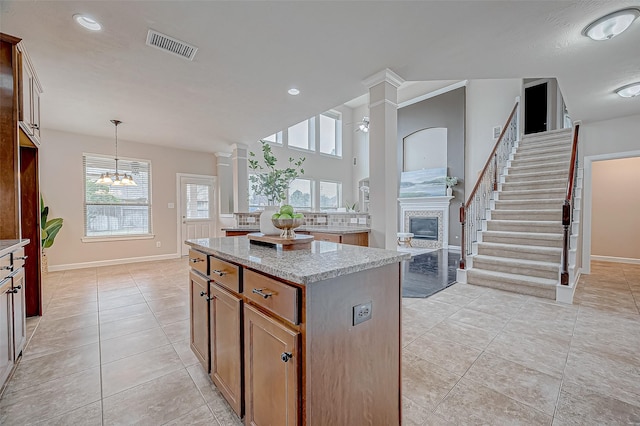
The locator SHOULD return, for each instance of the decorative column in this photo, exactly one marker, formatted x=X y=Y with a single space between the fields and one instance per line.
x=225 y=182
x=240 y=178
x=384 y=158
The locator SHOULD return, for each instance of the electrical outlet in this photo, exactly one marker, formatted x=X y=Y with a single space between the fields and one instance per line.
x=353 y=220
x=362 y=220
x=158 y=244
x=171 y=205
x=251 y=220
x=361 y=313
x=321 y=219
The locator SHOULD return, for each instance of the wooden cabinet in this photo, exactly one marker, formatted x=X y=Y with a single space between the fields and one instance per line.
x=236 y=233
x=225 y=311
x=6 y=330
x=356 y=239
x=272 y=362
x=29 y=97
x=199 y=309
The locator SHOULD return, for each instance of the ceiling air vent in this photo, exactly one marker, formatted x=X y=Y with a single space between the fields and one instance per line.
x=171 y=45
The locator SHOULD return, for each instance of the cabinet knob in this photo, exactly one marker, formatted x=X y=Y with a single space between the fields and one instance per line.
x=219 y=273
x=202 y=293
x=18 y=287
x=35 y=125
x=259 y=292
x=6 y=268
x=22 y=257
x=286 y=356
x=13 y=290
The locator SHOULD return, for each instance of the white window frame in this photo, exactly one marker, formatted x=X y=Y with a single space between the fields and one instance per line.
x=279 y=138
x=312 y=184
x=338 y=136
x=311 y=130
x=122 y=237
x=339 y=201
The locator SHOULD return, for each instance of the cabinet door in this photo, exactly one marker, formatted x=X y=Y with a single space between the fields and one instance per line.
x=199 y=307
x=26 y=110
x=321 y=236
x=6 y=330
x=19 y=314
x=226 y=345
x=272 y=365
x=35 y=116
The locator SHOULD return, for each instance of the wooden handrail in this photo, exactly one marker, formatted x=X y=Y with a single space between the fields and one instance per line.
x=492 y=155
x=572 y=165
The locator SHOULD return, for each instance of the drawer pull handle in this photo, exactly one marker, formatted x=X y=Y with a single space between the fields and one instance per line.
x=286 y=356
x=202 y=293
x=6 y=268
x=195 y=260
x=18 y=287
x=258 y=291
x=219 y=273
x=22 y=257
x=13 y=290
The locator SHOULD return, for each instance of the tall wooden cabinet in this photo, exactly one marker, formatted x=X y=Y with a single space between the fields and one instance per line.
x=19 y=173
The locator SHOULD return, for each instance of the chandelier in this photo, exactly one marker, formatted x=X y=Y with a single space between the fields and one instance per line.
x=116 y=179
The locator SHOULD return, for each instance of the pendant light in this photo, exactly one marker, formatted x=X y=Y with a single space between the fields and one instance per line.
x=116 y=180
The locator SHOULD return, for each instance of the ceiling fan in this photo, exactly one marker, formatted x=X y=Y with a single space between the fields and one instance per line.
x=363 y=126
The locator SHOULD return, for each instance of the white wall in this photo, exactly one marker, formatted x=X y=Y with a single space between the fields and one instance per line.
x=360 y=150
x=488 y=104
x=62 y=185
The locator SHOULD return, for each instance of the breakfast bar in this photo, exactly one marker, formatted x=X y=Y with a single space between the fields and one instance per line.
x=301 y=337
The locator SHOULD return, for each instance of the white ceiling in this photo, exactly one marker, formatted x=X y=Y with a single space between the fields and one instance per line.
x=250 y=53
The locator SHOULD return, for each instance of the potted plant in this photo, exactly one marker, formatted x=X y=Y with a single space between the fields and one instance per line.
x=450 y=181
x=272 y=182
x=48 y=231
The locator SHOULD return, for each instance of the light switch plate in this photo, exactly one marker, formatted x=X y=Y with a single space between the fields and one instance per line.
x=361 y=313
x=251 y=220
x=353 y=220
x=171 y=205
x=362 y=220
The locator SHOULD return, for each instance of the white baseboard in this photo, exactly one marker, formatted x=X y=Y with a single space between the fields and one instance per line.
x=111 y=262
x=615 y=259
x=454 y=248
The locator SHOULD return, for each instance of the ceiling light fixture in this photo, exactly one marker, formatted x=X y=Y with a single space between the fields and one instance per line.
x=87 y=22
x=293 y=91
x=106 y=179
x=629 y=91
x=611 y=25
x=364 y=125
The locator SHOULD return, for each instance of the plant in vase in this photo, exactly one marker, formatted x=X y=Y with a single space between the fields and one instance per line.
x=450 y=181
x=272 y=183
x=49 y=230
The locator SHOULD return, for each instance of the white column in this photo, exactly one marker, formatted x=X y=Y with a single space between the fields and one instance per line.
x=384 y=158
x=240 y=178
x=225 y=182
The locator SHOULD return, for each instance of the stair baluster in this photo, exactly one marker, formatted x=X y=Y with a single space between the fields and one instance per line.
x=567 y=207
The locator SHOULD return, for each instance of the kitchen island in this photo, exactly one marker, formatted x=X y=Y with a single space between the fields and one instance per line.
x=301 y=337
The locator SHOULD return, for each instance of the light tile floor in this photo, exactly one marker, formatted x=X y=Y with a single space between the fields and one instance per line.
x=112 y=348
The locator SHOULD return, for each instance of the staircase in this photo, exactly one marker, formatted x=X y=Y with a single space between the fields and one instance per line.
x=520 y=246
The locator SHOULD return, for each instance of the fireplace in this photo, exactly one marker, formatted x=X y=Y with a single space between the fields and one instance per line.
x=424 y=228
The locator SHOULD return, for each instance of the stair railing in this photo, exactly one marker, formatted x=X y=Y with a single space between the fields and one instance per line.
x=473 y=212
x=567 y=207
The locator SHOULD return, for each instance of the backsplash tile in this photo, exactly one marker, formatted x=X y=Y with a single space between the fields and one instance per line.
x=252 y=219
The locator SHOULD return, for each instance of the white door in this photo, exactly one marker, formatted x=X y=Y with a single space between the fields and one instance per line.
x=197 y=208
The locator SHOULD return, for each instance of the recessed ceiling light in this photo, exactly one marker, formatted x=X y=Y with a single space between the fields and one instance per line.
x=611 y=25
x=293 y=91
x=630 y=90
x=87 y=22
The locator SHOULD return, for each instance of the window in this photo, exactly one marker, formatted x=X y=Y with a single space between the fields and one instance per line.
x=274 y=138
x=116 y=211
x=300 y=194
x=299 y=136
x=330 y=134
x=197 y=201
x=256 y=202
x=330 y=195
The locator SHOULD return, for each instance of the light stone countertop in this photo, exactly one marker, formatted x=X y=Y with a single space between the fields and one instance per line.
x=7 y=246
x=318 y=228
x=322 y=261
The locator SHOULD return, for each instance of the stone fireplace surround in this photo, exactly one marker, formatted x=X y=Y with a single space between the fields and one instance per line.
x=427 y=207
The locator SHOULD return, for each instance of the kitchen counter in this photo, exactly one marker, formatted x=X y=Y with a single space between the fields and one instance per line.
x=8 y=246
x=325 y=229
x=322 y=261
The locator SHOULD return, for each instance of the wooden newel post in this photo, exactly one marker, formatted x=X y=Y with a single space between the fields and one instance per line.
x=463 y=246
x=495 y=171
x=566 y=222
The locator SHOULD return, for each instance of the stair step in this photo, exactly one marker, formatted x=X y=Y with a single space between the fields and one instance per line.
x=515 y=283
x=534 y=176
x=541 y=160
x=521 y=154
x=533 y=214
x=528 y=145
x=545 y=136
x=517 y=251
x=530 y=268
x=526 y=226
x=537 y=184
x=547 y=204
x=538 y=239
x=532 y=194
x=548 y=167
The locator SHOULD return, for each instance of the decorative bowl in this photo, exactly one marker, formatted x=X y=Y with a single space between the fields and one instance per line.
x=287 y=226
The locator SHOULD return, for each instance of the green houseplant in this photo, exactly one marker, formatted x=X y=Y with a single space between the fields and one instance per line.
x=271 y=182
x=49 y=230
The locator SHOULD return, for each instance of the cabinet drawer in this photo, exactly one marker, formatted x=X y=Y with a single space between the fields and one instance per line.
x=5 y=266
x=320 y=236
x=198 y=261
x=275 y=296
x=18 y=258
x=225 y=273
